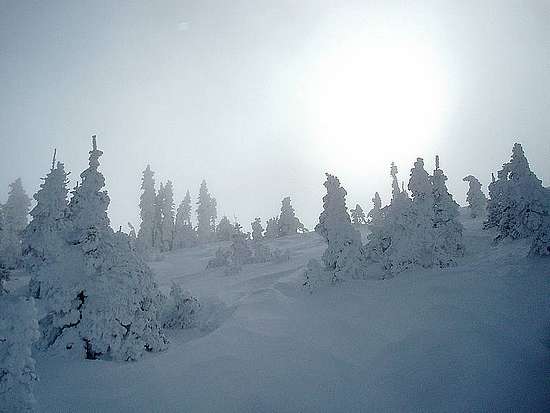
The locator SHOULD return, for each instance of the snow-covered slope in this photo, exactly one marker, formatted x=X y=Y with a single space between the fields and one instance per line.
x=471 y=338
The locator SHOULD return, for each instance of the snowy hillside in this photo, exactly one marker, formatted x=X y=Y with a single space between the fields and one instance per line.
x=475 y=337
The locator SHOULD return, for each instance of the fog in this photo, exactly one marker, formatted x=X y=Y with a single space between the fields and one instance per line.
x=261 y=98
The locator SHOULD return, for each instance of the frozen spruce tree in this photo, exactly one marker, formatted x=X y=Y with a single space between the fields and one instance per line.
x=167 y=217
x=206 y=215
x=257 y=230
x=185 y=235
x=289 y=224
x=477 y=201
x=241 y=253
x=15 y=218
x=18 y=332
x=358 y=216
x=44 y=238
x=101 y=301
x=225 y=229
x=344 y=257
x=272 y=228
x=422 y=216
x=524 y=199
x=374 y=216
x=147 y=209
x=448 y=245
x=497 y=198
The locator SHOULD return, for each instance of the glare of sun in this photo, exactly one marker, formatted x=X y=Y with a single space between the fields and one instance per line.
x=376 y=100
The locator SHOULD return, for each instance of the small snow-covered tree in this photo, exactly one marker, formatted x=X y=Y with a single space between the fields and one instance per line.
x=18 y=332
x=44 y=238
x=257 y=230
x=375 y=216
x=448 y=245
x=180 y=310
x=15 y=218
x=241 y=253
x=225 y=229
x=344 y=256
x=358 y=216
x=497 y=197
x=101 y=300
x=147 y=209
x=272 y=228
x=206 y=215
x=167 y=217
x=185 y=235
x=477 y=201
x=289 y=224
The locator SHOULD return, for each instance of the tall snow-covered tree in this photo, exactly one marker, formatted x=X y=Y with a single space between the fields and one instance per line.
x=157 y=218
x=289 y=224
x=344 y=256
x=477 y=201
x=185 y=235
x=147 y=209
x=44 y=237
x=422 y=211
x=257 y=230
x=389 y=239
x=206 y=215
x=448 y=245
x=101 y=301
x=167 y=217
x=524 y=199
x=519 y=206
x=15 y=218
x=358 y=216
x=225 y=229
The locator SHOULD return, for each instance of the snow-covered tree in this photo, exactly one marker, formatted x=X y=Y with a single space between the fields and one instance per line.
x=448 y=245
x=44 y=237
x=157 y=218
x=185 y=235
x=344 y=256
x=225 y=229
x=272 y=228
x=497 y=197
x=4 y=278
x=389 y=237
x=180 y=310
x=206 y=215
x=167 y=217
x=241 y=253
x=15 y=218
x=477 y=201
x=18 y=331
x=541 y=242
x=422 y=214
x=524 y=199
x=147 y=209
x=375 y=216
x=289 y=224
x=257 y=230
x=358 y=216
x=101 y=300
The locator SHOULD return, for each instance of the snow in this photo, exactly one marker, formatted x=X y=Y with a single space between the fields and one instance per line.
x=474 y=337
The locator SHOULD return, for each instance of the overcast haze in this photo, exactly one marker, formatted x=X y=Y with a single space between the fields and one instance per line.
x=261 y=98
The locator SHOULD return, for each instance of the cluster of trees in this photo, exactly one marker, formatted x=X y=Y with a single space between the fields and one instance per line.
x=162 y=229
x=421 y=227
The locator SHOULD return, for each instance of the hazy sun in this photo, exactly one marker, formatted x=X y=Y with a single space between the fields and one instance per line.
x=376 y=100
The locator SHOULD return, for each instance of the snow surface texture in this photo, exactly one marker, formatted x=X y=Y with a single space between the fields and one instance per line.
x=474 y=337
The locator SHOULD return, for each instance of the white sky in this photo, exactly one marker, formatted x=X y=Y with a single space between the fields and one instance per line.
x=261 y=98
